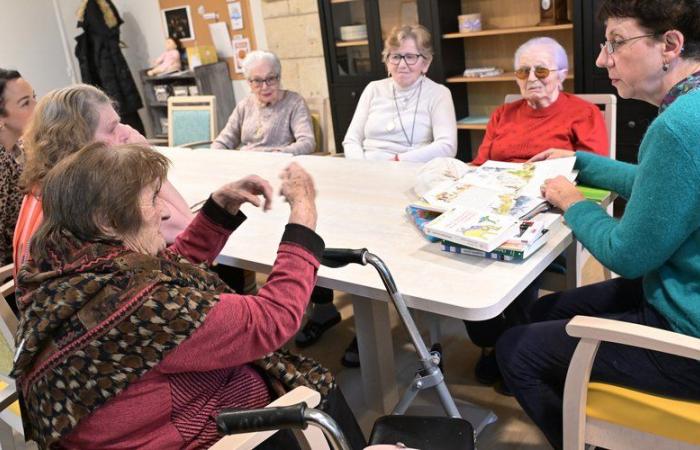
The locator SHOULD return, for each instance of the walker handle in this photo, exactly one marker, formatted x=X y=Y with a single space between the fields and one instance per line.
x=339 y=257
x=231 y=421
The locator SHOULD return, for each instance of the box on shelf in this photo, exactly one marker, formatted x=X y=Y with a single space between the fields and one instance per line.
x=201 y=54
x=193 y=89
x=162 y=92
x=181 y=90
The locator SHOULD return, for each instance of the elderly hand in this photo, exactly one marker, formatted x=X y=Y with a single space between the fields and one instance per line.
x=249 y=189
x=299 y=191
x=552 y=153
x=561 y=192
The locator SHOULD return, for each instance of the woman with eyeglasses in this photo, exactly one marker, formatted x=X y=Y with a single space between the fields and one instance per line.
x=270 y=119
x=546 y=117
x=651 y=53
x=407 y=116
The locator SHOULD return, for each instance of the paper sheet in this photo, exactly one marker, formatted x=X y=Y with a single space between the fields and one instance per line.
x=220 y=38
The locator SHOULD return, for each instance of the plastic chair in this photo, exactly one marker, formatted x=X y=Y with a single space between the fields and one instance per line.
x=616 y=417
x=191 y=119
x=609 y=104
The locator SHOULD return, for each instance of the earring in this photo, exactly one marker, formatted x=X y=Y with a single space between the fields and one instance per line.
x=665 y=67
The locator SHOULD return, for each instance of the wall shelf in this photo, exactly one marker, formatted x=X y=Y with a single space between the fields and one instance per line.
x=507 y=76
x=471 y=126
x=500 y=31
x=357 y=43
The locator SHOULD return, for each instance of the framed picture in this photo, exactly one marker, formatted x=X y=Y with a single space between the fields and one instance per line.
x=178 y=23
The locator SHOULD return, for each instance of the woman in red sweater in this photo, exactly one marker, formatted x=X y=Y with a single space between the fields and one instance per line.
x=545 y=118
x=124 y=343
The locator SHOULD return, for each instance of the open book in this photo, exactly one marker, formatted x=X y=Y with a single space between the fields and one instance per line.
x=481 y=209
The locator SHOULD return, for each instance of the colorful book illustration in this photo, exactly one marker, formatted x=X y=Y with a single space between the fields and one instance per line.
x=473 y=228
x=421 y=217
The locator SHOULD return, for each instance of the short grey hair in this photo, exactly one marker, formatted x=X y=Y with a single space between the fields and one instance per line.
x=560 y=57
x=257 y=56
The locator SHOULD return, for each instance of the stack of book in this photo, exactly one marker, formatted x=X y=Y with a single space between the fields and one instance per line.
x=492 y=211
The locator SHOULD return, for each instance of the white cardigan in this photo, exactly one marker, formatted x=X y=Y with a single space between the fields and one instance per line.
x=375 y=131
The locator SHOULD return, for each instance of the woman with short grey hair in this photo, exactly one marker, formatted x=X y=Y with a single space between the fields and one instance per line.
x=270 y=119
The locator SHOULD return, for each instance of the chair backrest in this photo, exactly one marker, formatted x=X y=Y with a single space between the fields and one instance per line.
x=318 y=107
x=609 y=111
x=191 y=119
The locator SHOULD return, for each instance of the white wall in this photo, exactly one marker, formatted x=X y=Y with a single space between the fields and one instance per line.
x=30 y=42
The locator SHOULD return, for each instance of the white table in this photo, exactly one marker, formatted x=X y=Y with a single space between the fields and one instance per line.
x=361 y=204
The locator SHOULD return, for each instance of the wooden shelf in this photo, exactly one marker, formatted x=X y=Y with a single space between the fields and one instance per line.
x=357 y=43
x=342 y=1
x=507 y=76
x=499 y=31
x=471 y=126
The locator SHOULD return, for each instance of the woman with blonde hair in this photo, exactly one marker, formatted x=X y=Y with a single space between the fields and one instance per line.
x=66 y=120
x=406 y=116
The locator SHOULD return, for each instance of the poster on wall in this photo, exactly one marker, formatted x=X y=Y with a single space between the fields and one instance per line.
x=178 y=23
x=241 y=48
x=235 y=14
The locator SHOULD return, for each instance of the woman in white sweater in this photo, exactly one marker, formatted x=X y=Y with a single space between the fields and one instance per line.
x=406 y=116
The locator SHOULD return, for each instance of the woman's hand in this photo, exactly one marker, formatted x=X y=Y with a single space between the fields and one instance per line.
x=561 y=192
x=299 y=191
x=552 y=153
x=249 y=189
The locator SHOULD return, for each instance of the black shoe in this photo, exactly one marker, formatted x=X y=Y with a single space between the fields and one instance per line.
x=486 y=370
x=351 y=357
x=312 y=331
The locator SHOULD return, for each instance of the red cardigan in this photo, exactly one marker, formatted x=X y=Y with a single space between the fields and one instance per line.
x=175 y=404
x=516 y=132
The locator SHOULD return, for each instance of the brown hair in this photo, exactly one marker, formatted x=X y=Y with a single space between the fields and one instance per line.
x=418 y=33
x=94 y=188
x=64 y=121
x=660 y=16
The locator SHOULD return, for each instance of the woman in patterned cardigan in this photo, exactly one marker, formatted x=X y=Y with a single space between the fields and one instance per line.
x=124 y=343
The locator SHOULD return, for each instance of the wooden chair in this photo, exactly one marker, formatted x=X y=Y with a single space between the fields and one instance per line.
x=10 y=415
x=191 y=119
x=608 y=103
x=318 y=107
x=616 y=417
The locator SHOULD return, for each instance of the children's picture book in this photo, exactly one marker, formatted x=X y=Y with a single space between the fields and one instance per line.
x=473 y=228
x=502 y=188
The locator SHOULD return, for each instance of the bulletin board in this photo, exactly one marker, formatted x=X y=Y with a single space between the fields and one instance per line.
x=200 y=29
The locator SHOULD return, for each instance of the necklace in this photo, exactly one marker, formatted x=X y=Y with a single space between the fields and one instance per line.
x=415 y=111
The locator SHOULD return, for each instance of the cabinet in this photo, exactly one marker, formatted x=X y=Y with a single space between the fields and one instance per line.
x=208 y=79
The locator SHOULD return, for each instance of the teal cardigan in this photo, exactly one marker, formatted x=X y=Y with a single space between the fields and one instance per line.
x=658 y=237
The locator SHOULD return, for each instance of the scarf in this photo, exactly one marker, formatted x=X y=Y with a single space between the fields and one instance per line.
x=94 y=319
x=682 y=87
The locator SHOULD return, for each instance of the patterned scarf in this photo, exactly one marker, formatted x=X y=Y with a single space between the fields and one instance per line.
x=95 y=319
x=682 y=87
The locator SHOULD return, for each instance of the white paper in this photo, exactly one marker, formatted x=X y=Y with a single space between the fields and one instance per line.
x=241 y=48
x=219 y=36
x=235 y=14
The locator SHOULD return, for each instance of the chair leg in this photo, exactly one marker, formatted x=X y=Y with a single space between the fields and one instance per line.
x=7 y=438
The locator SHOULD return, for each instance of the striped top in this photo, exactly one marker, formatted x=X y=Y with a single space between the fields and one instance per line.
x=28 y=221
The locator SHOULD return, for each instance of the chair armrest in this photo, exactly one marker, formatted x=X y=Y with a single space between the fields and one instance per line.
x=633 y=334
x=251 y=440
x=196 y=144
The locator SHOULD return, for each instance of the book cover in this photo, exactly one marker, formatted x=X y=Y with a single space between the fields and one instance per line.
x=473 y=228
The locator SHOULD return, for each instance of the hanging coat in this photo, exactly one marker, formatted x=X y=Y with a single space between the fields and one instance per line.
x=101 y=61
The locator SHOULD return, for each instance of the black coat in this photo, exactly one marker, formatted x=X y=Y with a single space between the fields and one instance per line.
x=101 y=61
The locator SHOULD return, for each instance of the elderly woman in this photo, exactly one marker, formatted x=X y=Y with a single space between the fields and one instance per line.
x=406 y=116
x=651 y=53
x=17 y=101
x=546 y=117
x=114 y=325
x=271 y=119
x=65 y=120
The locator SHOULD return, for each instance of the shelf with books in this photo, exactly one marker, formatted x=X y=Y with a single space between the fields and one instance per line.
x=515 y=30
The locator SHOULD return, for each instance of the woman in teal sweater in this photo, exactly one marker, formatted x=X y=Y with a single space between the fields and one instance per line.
x=652 y=53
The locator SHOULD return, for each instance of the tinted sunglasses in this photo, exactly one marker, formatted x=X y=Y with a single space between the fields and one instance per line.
x=541 y=73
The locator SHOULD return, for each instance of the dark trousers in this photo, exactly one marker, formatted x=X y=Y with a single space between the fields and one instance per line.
x=321 y=295
x=485 y=333
x=534 y=358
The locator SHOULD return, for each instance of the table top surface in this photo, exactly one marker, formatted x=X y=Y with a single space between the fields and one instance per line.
x=362 y=204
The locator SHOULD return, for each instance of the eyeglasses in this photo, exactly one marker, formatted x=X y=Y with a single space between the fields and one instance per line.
x=541 y=73
x=410 y=58
x=612 y=46
x=269 y=81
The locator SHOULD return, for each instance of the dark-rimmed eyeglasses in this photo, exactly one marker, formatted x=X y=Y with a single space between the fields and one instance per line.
x=541 y=73
x=410 y=58
x=612 y=46
x=269 y=81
